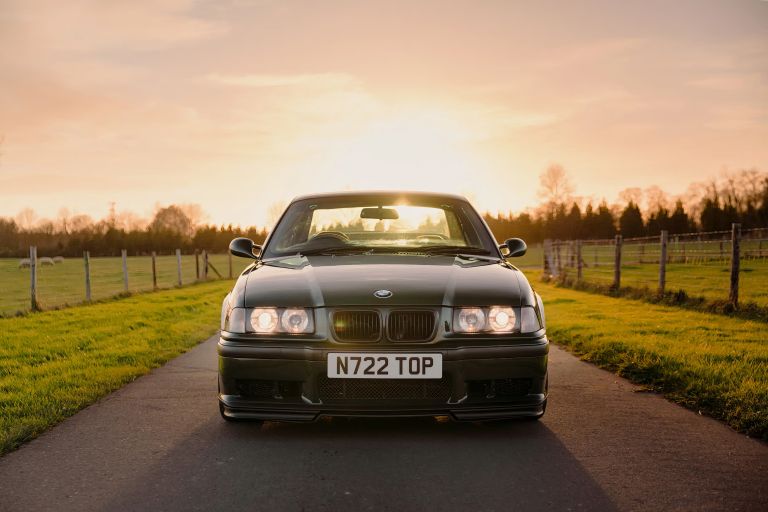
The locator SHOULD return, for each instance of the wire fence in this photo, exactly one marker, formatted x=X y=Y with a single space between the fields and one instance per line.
x=718 y=265
x=40 y=282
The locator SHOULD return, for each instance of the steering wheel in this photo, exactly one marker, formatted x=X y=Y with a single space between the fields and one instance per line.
x=338 y=235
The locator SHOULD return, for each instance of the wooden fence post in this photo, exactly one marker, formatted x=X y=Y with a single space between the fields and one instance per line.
x=33 y=278
x=544 y=265
x=178 y=265
x=125 y=270
x=197 y=264
x=87 y=262
x=154 y=270
x=229 y=255
x=663 y=262
x=205 y=265
x=735 y=243
x=579 y=265
x=617 y=263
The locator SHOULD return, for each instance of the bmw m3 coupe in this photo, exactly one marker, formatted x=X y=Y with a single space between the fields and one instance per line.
x=381 y=304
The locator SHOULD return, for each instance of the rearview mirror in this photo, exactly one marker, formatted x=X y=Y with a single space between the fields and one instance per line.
x=245 y=248
x=515 y=246
x=379 y=213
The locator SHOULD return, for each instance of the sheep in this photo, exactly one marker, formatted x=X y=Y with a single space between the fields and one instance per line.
x=58 y=259
x=45 y=261
x=25 y=263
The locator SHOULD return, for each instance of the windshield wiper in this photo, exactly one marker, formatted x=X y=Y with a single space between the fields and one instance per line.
x=453 y=249
x=329 y=251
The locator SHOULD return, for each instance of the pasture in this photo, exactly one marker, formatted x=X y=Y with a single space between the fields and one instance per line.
x=64 y=283
x=54 y=363
x=709 y=279
x=700 y=269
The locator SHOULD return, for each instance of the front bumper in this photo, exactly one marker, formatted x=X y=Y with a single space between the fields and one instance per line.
x=288 y=382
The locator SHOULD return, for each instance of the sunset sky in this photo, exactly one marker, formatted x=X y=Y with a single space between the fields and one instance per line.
x=238 y=105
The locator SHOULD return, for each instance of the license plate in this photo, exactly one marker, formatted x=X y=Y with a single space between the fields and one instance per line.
x=367 y=365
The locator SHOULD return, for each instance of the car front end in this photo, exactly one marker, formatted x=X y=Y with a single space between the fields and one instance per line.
x=381 y=332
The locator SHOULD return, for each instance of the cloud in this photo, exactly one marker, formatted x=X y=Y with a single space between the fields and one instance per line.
x=91 y=26
x=287 y=80
x=731 y=82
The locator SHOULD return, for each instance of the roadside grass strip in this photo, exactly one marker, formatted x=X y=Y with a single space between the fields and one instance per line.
x=712 y=364
x=53 y=364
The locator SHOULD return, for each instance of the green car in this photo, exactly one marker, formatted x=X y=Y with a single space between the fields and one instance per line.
x=381 y=304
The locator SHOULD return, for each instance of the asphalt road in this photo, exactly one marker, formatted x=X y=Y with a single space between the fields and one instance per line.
x=159 y=444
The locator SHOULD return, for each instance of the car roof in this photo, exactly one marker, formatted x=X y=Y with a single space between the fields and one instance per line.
x=364 y=194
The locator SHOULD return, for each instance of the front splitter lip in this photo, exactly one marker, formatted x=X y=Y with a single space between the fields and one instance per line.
x=529 y=409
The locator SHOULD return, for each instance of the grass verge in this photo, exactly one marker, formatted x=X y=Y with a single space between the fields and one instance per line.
x=53 y=364
x=709 y=363
x=679 y=298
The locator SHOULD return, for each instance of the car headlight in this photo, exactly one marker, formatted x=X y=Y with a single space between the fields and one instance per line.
x=495 y=320
x=270 y=321
x=469 y=320
x=294 y=320
x=263 y=320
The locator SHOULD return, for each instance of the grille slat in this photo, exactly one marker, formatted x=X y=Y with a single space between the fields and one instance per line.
x=332 y=390
x=357 y=325
x=411 y=325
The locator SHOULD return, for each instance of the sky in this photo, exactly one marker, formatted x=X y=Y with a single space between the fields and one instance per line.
x=240 y=105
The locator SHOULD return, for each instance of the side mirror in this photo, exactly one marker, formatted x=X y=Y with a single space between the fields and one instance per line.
x=515 y=246
x=245 y=248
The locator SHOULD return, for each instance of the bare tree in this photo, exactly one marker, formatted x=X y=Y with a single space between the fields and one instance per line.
x=26 y=218
x=656 y=198
x=63 y=219
x=80 y=222
x=555 y=186
x=172 y=219
x=631 y=195
x=194 y=213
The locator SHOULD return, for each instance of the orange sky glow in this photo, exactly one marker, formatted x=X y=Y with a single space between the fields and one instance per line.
x=240 y=105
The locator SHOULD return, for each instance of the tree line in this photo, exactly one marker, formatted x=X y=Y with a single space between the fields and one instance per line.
x=739 y=197
x=171 y=228
x=713 y=206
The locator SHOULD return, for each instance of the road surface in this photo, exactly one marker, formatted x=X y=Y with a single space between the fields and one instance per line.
x=159 y=444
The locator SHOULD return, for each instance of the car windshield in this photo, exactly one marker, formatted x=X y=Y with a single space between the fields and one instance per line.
x=352 y=225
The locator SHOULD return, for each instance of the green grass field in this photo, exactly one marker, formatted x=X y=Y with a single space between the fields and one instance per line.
x=706 y=274
x=532 y=258
x=709 y=280
x=54 y=363
x=64 y=283
x=709 y=363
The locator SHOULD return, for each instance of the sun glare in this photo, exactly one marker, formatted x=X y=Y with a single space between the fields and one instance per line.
x=413 y=150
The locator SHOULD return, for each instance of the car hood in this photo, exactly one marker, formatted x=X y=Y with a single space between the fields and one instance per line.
x=330 y=281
